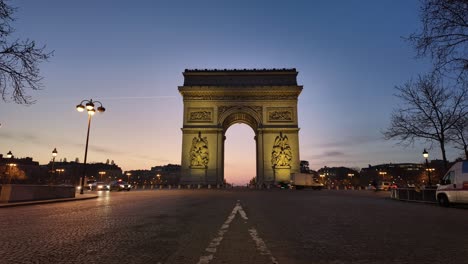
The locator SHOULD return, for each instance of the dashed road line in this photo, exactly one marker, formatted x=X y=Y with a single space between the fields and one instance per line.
x=212 y=247
x=261 y=246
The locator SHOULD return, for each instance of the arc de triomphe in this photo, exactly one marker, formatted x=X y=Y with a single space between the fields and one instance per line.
x=265 y=100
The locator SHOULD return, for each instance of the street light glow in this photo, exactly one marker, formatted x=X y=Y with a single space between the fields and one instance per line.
x=425 y=154
x=80 y=108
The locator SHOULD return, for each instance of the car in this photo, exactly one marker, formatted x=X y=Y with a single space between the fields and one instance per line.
x=119 y=186
x=90 y=184
x=98 y=186
x=384 y=186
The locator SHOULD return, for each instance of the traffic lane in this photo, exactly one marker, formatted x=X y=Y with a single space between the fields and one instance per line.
x=139 y=227
x=356 y=227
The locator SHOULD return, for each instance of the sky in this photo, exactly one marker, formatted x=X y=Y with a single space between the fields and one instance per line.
x=130 y=55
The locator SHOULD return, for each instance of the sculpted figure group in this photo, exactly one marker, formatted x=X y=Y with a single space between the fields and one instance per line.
x=199 y=151
x=281 y=154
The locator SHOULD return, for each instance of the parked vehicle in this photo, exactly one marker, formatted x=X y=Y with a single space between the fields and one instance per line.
x=453 y=188
x=119 y=186
x=384 y=186
x=305 y=180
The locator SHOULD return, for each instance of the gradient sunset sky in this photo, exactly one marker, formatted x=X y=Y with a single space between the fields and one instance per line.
x=130 y=55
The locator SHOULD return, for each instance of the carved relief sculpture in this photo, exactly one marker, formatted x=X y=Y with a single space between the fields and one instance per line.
x=200 y=116
x=281 y=155
x=199 y=152
x=280 y=114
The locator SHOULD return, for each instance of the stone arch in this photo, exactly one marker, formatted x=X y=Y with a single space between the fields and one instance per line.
x=265 y=100
x=241 y=114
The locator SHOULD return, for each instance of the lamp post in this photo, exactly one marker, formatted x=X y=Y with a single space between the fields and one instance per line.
x=128 y=176
x=59 y=172
x=382 y=173
x=351 y=175
x=9 y=156
x=89 y=106
x=9 y=171
x=426 y=155
x=54 y=154
x=100 y=175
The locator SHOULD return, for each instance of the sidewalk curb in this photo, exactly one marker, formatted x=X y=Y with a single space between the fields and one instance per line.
x=78 y=198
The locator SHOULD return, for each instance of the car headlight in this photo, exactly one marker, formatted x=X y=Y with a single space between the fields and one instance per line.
x=122 y=186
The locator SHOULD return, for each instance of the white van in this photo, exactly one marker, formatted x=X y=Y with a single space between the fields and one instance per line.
x=453 y=188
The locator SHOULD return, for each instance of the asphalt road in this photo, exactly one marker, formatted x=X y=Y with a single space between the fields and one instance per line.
x=234 y=226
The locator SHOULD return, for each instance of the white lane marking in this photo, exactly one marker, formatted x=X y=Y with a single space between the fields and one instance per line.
x=261 y=246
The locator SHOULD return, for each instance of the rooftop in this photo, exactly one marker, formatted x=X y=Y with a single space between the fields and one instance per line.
x=240 y=77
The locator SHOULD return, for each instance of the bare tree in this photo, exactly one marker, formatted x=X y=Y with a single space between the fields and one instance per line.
x=430 y=111
x=444 y=35
x=19 y=61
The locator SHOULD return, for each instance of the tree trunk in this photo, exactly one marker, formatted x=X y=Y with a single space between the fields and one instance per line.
x=444 y=156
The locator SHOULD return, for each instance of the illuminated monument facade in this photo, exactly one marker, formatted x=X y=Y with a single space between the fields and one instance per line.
x=265 y=100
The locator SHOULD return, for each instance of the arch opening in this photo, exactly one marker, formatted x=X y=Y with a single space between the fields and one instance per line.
x=239 y=154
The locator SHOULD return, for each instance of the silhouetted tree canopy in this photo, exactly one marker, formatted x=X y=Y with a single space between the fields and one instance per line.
x=430 y=111
x=19 y=61
x=444 y=35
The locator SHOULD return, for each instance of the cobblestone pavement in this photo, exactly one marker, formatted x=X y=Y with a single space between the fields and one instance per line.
x=234 y=226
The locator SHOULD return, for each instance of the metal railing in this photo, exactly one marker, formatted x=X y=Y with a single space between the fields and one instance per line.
x=427 y=195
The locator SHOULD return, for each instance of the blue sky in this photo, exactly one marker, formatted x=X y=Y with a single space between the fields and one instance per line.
x=131 y=55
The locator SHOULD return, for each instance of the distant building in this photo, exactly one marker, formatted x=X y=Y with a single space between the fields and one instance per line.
x=71 y=172
x=159 y=175
x=19 y=170
x=339 y=176
x=399 y=173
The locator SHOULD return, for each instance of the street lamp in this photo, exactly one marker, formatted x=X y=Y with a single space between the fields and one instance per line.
x=100 y=175
x=128 y=175
x=426 y=155
x=59 y=172
x=383 y=174
x=54 y=154
x=9 y=171
x=89 y=106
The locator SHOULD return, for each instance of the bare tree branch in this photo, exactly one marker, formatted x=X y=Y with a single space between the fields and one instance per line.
x=444 y=36
x=19 y=62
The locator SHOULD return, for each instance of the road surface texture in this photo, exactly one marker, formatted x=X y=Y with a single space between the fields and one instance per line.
x=234 y=226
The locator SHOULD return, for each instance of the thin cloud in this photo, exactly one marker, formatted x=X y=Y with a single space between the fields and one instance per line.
x=352 y=141
x=333 y=153
x=30 y=138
